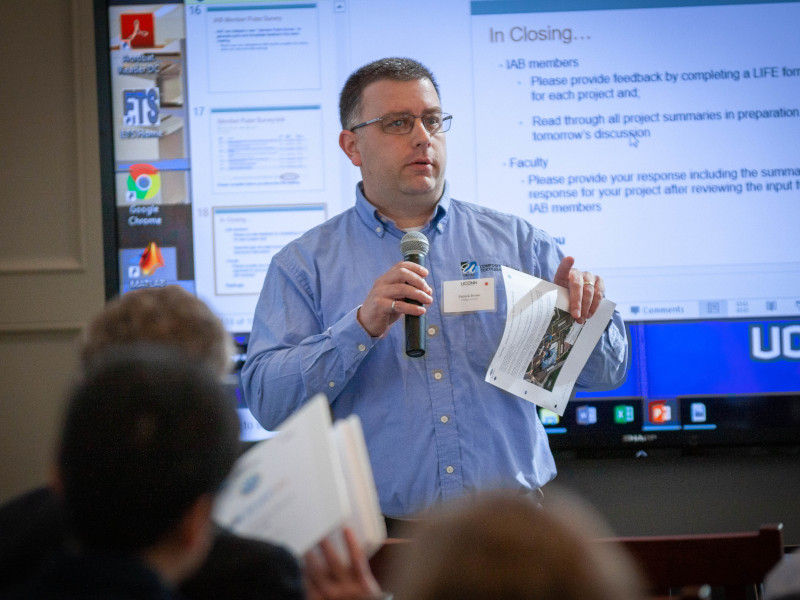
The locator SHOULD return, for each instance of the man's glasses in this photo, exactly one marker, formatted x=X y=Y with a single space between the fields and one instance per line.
x=402 y=123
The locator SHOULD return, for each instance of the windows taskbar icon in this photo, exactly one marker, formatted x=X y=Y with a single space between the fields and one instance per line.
x=623 y=414
x=586 y=415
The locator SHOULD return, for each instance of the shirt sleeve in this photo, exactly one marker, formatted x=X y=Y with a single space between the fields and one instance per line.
x=291 y=354
x=607 y=366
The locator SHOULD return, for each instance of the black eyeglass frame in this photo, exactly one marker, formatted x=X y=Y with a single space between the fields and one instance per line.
x=444 y=127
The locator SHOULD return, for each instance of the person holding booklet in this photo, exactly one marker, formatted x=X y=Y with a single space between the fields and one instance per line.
x=34 y=525
x=326 y=320
x=147 y=441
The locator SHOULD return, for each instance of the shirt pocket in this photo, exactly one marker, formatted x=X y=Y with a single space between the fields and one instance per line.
x=483 y=330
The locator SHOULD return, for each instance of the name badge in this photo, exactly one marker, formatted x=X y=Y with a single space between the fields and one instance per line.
x=468 y=295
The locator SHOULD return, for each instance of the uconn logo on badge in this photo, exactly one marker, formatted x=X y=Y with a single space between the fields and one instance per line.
x=470 y=270
x=775 y=342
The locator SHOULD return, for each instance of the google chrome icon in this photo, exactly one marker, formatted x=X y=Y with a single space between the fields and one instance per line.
x=144 y=182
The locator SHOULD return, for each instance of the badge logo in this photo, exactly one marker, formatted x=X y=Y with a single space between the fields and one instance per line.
x=470 y=269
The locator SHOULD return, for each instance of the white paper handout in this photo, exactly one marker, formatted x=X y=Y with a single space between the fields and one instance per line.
x=543 y=349
x=305 y=484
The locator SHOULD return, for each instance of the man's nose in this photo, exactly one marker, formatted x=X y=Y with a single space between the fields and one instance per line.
x=419 y=134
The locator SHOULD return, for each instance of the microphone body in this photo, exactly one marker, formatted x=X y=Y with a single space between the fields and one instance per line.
x=414 y=246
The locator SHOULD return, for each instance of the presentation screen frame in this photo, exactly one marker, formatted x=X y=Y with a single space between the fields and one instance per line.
x=666 y=163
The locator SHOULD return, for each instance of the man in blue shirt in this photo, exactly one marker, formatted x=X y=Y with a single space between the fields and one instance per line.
x=325 y=321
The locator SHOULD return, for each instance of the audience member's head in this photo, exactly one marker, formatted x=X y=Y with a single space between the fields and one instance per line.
x=148 y=438
x=168 y=316
x=503 y=545
x=394 y=69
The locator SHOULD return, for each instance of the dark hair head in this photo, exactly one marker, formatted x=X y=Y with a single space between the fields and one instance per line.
x=168 y=316
x=395 y=69
x=146 y=434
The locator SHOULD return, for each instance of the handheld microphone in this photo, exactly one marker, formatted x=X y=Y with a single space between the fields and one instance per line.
x=414 y=247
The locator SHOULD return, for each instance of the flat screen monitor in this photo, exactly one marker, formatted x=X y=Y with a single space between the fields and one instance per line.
x=657 y=142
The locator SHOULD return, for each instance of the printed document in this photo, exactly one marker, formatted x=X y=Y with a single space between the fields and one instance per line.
x=543 y=349
x=305 y=484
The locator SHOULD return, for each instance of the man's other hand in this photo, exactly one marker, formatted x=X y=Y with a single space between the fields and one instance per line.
x=585 y=289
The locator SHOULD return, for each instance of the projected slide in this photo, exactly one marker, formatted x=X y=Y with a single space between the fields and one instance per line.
x=262 y=47
x=660 y=146
x=246 y=239
x=661 y=166
x=260 y=148
x=657 y=145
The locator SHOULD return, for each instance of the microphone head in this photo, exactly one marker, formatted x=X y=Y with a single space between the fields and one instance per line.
x=414 y=242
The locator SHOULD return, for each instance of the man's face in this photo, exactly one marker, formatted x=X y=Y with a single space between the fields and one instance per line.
x=400 y=170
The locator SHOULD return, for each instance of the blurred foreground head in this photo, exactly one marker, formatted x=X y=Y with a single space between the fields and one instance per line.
x=147 y=434
x=168 y=316
x=503 y=545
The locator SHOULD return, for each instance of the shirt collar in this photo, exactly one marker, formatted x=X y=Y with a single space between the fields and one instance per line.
x=379 y=225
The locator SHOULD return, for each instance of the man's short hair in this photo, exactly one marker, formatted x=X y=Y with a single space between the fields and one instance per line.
x=170 y=316
x=147 y=433
x=502 y=544
x=395 y=69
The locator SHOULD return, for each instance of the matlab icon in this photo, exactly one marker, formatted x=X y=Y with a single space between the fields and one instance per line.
x=660 y=412
x=151 y=259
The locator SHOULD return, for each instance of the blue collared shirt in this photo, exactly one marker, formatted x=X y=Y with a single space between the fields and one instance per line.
x=435 y=430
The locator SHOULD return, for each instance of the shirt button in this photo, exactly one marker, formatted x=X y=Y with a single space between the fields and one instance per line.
x=331 y=384
x=444 y=419
x=449 y=470
x=437 y=374
x=362 y=347
x=433 y=330
x=378 y=229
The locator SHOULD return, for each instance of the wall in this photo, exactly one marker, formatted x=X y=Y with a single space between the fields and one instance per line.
x=666 y=492
x=51 y=282
x=51 y=272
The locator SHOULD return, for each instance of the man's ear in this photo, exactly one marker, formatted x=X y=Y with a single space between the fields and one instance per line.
x=195 y=525
x=56 y=481
x=181 y=551
x=348 y=142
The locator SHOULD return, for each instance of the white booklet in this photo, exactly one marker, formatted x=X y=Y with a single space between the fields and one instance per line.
x=543 y=349
x=305 y=484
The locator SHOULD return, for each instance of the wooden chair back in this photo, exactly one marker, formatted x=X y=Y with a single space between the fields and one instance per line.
x=735 y=562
